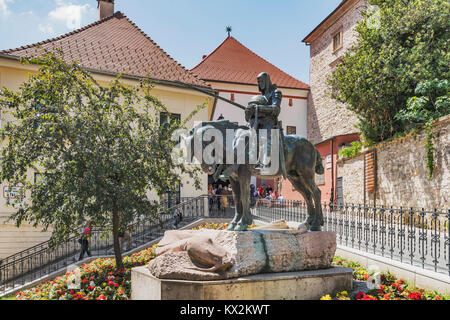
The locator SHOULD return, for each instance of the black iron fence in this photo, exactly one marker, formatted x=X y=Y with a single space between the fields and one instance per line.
x=417 y=237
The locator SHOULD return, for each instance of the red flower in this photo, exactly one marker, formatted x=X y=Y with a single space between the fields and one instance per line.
x=367 y=297
x=101 y=297
x=359 y=295
x=386 y=296
x=415 y=296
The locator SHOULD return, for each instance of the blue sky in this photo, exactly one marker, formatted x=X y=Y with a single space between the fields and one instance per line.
x=186 y=29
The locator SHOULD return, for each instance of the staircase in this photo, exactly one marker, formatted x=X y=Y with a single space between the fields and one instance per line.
x=40 y=261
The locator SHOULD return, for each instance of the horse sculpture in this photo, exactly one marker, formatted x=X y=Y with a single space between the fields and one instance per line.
x=301 y=162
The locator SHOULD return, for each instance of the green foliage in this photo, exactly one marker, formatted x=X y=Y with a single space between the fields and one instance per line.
x=99 y=150
x=382 y=70
x=431 y=102
x=352 y=151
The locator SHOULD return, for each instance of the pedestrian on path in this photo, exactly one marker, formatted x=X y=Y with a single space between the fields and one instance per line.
x=178 y=215
x=85 y=241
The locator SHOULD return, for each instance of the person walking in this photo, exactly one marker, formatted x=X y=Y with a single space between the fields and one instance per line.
x=178 y=215
x=85 y=241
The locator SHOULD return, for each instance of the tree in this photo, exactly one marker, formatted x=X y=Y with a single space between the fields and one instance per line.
x=381 y=71
x=431 y=102
x=99 y=150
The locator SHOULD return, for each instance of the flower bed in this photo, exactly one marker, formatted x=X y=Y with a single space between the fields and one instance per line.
x=218 y=226
x=390 y=288
x=98 y=280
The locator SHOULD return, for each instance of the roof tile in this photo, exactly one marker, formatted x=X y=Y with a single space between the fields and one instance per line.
x=114 y=44
x=233 y=62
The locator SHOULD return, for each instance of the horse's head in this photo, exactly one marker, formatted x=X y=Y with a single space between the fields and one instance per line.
x=206 y=139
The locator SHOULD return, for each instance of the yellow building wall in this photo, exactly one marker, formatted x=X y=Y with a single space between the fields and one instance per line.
x=177 y=100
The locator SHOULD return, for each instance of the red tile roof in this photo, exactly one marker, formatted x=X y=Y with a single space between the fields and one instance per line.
x=235 y=63
x=114 y=44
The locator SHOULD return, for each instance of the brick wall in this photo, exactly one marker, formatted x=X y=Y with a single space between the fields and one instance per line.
x=326 y=117
x=402 y=176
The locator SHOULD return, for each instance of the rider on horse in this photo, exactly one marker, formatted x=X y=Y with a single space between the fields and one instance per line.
x=261 y=114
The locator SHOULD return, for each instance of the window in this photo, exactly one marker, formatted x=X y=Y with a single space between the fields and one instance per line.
x=167 y=118
x=320 y=178
x=291 y=102
x=337 y=41
x=291 y=130
x=38 y=177
x=232 y=97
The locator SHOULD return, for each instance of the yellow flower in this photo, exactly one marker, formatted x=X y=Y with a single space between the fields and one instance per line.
x=327 y=297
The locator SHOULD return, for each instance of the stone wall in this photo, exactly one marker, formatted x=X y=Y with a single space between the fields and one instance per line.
x=327 y=117
x=402 y=176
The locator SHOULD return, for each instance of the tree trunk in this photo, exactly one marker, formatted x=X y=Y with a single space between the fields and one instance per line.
x=117 y=249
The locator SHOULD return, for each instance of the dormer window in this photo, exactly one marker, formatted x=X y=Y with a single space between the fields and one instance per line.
x=338 y=42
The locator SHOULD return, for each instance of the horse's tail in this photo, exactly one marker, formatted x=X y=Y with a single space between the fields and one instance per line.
x=319 y=165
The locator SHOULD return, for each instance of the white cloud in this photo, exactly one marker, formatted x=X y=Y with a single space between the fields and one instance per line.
x=69 y=13
x=48 y=29
x=4 y=10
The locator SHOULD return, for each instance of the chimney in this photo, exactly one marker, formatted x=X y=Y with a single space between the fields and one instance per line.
x=105 y=8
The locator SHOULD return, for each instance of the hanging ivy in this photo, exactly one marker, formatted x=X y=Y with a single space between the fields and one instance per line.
x=430 y=148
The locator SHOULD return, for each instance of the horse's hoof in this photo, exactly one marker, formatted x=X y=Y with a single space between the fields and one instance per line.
x=231 y=227
x=241 y=227
x=316 y=229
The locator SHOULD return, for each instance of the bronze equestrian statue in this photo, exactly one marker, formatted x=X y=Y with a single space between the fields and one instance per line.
x=298 y=159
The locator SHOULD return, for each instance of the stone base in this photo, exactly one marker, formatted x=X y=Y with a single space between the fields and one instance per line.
x=304 y=285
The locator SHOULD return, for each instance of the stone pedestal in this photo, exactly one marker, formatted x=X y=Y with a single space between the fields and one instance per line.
x=303 y=285
x=257 y=265
x=252 y=252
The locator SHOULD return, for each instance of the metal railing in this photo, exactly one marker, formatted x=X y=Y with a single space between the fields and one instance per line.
x=42 y=260
x=417 y=237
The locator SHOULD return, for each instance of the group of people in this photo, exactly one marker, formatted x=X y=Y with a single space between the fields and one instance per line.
x=264 y=194
x=220 y=194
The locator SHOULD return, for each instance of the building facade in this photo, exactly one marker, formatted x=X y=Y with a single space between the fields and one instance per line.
x=329 y=125
x=328 y=43
x=106 y=48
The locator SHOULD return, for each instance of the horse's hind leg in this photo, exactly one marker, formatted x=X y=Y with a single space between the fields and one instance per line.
x=299 y=184
x=318 y=222
x=317 y=199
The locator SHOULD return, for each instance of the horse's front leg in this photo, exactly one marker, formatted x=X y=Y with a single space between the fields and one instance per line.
x=246 y=220
x=238 y=204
